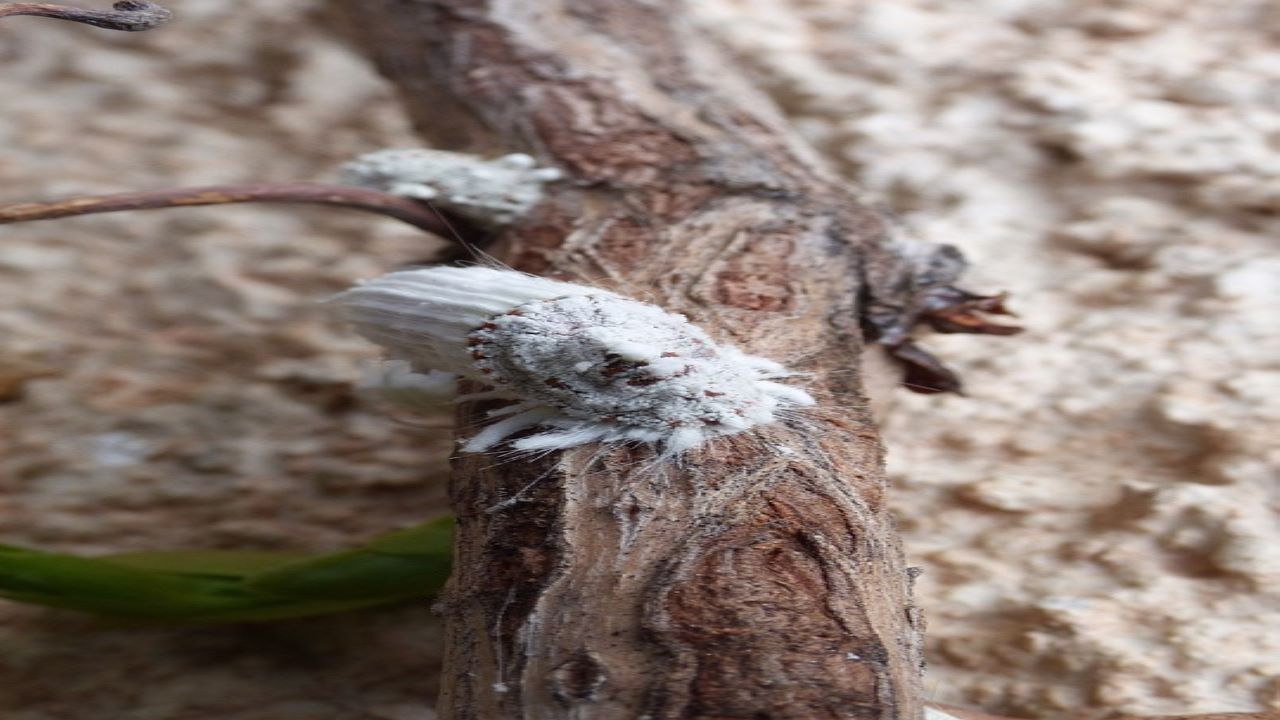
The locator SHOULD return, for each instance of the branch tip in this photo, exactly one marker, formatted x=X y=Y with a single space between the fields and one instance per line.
x=413 y=212
x=125 y=15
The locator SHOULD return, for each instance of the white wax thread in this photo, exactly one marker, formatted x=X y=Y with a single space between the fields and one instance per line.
x=583 y=364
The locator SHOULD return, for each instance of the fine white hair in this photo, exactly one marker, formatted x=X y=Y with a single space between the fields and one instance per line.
x=583 y=364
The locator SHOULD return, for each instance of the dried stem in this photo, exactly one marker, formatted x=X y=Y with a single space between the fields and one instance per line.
x=126 y=15
x=413 y=212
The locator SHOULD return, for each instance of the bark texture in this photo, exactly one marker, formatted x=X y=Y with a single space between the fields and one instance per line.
x=762 y=576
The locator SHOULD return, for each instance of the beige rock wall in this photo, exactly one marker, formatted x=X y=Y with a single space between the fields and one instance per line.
x=1098 y=520
x=168 y=379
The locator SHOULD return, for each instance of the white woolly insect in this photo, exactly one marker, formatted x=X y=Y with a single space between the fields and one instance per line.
x=584 y=364
x=492 y=192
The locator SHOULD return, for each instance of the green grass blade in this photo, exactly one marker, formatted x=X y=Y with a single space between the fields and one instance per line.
x=408 y=563
x=216 y=563
x=229 y=586
x=100 y=586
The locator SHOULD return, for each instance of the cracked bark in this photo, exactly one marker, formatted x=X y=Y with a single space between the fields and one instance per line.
x=762 y=577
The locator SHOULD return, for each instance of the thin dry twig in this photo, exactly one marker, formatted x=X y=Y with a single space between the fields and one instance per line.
x=126 y=15
x=406 y=210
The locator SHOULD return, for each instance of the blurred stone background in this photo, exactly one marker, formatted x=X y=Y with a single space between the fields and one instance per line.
x=1097 y=519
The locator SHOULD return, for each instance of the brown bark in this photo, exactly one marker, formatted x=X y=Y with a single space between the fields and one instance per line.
x=761 y=577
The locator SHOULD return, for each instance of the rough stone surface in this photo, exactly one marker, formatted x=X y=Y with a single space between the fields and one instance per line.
x=1096 y=521
x=169 y=379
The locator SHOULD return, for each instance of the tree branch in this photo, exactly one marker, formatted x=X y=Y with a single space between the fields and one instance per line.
x=413 y=212
x=126 y=15
x=760 y=577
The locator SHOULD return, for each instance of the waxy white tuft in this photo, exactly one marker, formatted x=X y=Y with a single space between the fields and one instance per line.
x=584 y=364
x=395 y=382
x=492 y=192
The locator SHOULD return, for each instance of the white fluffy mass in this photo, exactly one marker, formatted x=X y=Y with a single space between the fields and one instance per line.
x=583 y=364
x=492 y=192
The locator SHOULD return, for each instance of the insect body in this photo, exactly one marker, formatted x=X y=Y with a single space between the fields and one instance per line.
x=583 y=364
